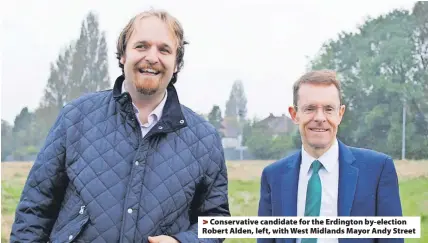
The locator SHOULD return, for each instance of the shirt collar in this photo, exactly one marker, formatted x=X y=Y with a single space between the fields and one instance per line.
x=156 y=114
x=329 y=159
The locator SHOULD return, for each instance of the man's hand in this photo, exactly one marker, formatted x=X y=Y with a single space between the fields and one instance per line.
x=162 y=239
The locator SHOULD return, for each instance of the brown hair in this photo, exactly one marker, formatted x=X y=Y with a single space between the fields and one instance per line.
x=172 y=23
x=324 y=76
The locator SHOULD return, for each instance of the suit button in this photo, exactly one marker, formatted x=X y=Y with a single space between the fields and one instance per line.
x=137 y=163
x=70 y=237
x=129 y=210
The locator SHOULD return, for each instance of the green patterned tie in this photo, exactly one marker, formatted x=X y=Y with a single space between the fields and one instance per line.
x=313 y=196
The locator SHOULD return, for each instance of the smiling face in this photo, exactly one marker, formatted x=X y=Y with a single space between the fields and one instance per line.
x=150 y=57
x=318 y=115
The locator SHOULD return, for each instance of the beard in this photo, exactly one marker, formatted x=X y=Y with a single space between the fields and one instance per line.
x=147 y=85
x=145 y=91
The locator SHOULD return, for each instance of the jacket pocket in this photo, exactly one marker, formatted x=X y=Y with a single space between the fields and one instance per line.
x=72 y=229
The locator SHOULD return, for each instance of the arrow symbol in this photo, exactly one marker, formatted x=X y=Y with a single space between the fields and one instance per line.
x=204 y=221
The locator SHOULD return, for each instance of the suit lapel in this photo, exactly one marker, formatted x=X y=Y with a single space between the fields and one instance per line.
x=348 y=177
x=290 y=185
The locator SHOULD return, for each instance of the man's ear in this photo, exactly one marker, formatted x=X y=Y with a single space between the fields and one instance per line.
x=293 y=114
x=341 y=112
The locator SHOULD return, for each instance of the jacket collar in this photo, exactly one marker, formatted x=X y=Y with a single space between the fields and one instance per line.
x=172 y=115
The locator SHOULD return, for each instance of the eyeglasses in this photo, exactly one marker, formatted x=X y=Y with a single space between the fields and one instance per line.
x=312 y=109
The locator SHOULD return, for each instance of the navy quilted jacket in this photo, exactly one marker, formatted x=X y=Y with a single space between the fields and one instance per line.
x=97 y=179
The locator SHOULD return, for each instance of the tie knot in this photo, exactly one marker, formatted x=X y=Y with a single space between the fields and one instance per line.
x=316 y=166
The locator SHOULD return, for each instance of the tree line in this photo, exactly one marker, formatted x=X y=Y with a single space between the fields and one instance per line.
x=81 y=67
x=383 y=67
x=384 y=70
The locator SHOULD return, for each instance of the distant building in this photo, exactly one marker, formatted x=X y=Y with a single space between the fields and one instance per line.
x=274 y=126
x=231 y=131
x=277 y=125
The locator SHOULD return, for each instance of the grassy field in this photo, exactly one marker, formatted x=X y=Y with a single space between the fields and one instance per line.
x=243 y=190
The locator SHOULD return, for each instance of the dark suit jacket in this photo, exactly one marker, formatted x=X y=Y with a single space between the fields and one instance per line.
x=368 y=186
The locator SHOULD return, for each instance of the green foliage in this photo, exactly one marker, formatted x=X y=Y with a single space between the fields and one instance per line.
x=265 y=145
x=10 y=194
x=22 y=120
x=80 y=68
x=89 y=64
x=246 y=130
x=22 y=152
x=381 y=70
x=7 y=142
x=215 y=118
x=383 y=66
x=244 y=198
x=414 y=198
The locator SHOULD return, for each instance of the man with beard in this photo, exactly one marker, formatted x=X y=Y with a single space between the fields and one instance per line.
x=129 y=164
x=327 y=177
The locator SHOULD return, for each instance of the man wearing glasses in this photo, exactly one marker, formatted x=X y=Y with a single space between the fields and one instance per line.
x=327 y=177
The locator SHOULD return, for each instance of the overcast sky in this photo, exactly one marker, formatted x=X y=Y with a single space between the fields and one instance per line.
x=266 y=44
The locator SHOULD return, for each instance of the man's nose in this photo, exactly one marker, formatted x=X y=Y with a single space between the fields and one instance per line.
x=319 y=114
x=152 y=56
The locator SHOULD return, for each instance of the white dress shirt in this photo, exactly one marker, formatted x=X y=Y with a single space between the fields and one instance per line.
x=329 y=175
x=153 y=117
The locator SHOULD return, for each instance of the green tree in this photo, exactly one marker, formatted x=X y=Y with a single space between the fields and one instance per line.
x=215 y=118
x=7 y=142
x=420 y=13
x=89 y=69
x=22 y=120
x=378 y=69
x=23 y=132
x=264 y=145
x=80 y=68
x=57 y=92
